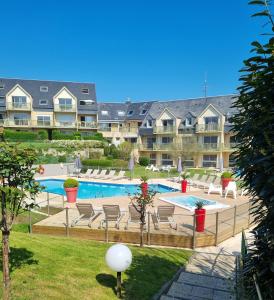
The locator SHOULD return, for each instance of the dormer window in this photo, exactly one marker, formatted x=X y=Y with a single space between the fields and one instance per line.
x=86 y=102
x=149 y=123
x=143 y=112
x=43 y=102
x=44 y=89
x=104 y=112
x=121 y=113
x=2 y=100
x=188 y=121
x=130 y=113
x=85 y=91
x=2 y=86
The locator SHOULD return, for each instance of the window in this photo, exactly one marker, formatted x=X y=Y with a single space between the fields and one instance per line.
x=130 y=113
x=150 y=142
x=44 y=89
x=167 y=123
x=143 y=112
x=210 y=139
x=43 y=120
x=121 y=113
x=43 y=102
x=139 y=124
x=166 y=140
x=188 y=161
x=86 y=102
x=188 y=121
x=104 y=112
x=2 y=100
x=21 y=119
x=85 y=91
x=19 y=101
x=65 y=103
x=149 y=123
x=209 y=161
x=2 y=86
x=211 y=120
x=166 y=160
x=152 y=158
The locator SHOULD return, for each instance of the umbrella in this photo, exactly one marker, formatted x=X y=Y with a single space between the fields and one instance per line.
x=78 y=164
x=131 y=166
x=221 y=164
x=179 y=165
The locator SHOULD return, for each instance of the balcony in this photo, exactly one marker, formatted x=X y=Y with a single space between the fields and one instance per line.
x=230 y=146
x=87 y=125
x=15 y=123
x=214 y=127
x=104 y=129
x=210 y=147
x=163 y=147
x=64 y=107
x=18 y=106
x=65 y=124
x=187 y=130
x=164 y=129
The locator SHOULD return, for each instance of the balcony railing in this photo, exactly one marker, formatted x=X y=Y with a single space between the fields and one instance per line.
x=210 y=146
x=164 y=129
x=64 y=107
x=208 y=127
x=41 y=123
x=65 y=124
x=18 y=106
x=230 y=146
x=163 y=147
x=87 y=124
x=104 y=129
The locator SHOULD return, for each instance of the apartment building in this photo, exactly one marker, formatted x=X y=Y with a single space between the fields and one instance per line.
x=198 y=130
x=37 y=104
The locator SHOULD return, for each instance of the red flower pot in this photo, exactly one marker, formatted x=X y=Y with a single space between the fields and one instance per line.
x=184 y=186
x=200 y=219
x=71 y=194
x=225 y=182
x=144 y=188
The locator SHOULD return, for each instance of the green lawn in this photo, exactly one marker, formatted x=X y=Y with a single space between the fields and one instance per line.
x=45 y=267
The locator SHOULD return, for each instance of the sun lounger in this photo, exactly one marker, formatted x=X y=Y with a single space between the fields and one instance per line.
x=94 y=173
x=215 y=189
x=88 y=172
x=149 y=168
x=86 y=212
x=200 y=181
x=112 y=213
x=121 y=175
x=231 y=187
x=133 y=217
x=164 y=215
x=110 y=175
x=210 y=179
x=102 y=174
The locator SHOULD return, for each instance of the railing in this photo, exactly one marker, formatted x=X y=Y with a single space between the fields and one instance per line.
x=164 y=129
x=208 y=127
x=83 y=124
x=65 y=124
x=186 y=130
x=64 y=107
x=210 y=146
x=18 y=106
x=104 y=129
x=230 y=146
x=160 y=146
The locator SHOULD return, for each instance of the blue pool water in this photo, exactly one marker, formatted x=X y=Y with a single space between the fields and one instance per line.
x=98 y=190
x=189 y=202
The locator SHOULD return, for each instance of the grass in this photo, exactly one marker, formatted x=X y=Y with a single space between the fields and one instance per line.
x=45 y=267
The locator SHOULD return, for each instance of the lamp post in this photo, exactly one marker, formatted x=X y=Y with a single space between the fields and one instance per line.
x=118 y=259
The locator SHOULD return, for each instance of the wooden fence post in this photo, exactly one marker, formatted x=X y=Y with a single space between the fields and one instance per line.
x=234 y=222
x=217 y=228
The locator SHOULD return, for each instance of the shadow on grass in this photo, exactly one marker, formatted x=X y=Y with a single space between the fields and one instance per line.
x=107 y=280
x=19 y=257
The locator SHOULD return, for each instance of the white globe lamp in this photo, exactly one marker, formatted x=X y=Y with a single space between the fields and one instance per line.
x=118 y=259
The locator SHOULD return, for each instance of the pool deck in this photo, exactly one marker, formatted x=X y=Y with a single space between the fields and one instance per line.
x=165 y=235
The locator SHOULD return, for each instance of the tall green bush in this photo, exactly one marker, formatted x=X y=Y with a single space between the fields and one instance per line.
x=144 y=161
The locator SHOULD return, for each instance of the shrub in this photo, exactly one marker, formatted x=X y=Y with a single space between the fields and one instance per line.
x=144 y=179
x=71 y=183
x=227 y=175
x=106 y=150
x=144 y=161
x=43 y=135
x=199 y=204
x=62 y=159
x=12 y=135
x=94 y=154
x=114 y=163
x=124 y=150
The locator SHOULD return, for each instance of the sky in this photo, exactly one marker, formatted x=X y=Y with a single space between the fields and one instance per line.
x=142 y=49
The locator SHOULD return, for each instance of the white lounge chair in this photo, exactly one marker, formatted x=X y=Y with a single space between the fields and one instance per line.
x=110 y=175
x=149 y=168
x=94 y=173
x=155 y=169
x=102 y=174
x=231 y=188
x=215 y=189
x=88 y=172
x=121 y=175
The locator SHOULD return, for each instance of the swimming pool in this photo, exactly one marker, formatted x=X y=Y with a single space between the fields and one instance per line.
x=89 y=190
x=188 y=202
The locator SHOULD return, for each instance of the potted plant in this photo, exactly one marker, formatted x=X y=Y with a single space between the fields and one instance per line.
x=226 y=178
x=71 y=188
x=184 y=182
x=200 y=213
x=144 y=185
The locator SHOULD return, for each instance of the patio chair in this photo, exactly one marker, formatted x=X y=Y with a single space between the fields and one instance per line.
x=149 y=168
x=112 y=214
x=213 y=188
x=94 y=173
x=164 y=215
x=200 y=181
x=193 y=179
x=231 y=187
x=155 y=169
x=121 y=175
x=133 y=216
x=110 y=175
x=210 y=179
x=88 y=172
x=102 y=174
x=86 y=212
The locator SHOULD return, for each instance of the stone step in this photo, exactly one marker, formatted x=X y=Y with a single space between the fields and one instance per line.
x=206 y=281
x=180 y=290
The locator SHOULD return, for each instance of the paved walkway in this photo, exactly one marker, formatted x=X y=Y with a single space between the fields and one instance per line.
x=210 y=274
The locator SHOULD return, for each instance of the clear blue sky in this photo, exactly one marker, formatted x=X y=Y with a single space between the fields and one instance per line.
x=142 y=49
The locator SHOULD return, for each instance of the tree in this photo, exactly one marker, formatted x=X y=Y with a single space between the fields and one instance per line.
x=140 y=202
x=125 y=150
x=254 y=124
x=17 y=190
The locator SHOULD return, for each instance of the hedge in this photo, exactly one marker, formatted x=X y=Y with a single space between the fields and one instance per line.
x=116 y=163
x=76 y=135
x=144 y=161
x=13 y=135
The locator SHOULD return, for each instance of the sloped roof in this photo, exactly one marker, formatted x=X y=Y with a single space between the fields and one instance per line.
x=137 y=108
x=112 y=109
